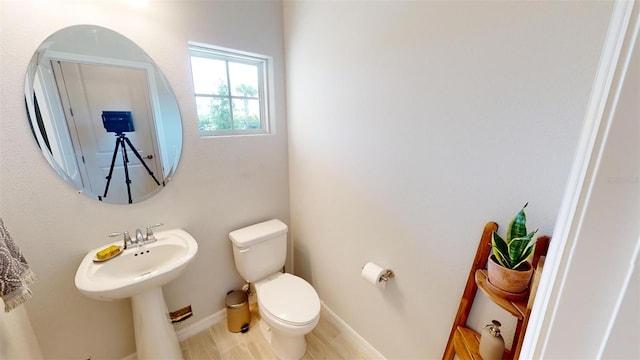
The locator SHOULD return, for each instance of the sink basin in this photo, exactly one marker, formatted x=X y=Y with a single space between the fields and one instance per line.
x=139 y=273
x=137 y=269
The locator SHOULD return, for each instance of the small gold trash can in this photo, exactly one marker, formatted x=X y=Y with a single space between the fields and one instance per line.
x=238 y=314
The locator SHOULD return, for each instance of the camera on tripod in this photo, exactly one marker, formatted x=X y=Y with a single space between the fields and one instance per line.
x=120 y=122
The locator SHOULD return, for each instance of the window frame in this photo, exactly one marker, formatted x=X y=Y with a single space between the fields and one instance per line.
x=264 y=97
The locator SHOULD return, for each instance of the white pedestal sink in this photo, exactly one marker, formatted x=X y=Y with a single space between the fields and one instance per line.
x=139 y=273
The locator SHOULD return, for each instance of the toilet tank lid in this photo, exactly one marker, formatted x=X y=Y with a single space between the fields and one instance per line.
x=250 y=235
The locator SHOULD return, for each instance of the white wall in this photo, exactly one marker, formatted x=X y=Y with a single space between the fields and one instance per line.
x=411 y=124
x=220 y=185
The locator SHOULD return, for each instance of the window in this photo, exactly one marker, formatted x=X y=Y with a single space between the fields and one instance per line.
x=230 y=89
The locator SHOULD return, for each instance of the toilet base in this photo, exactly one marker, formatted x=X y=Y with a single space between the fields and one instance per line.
x=283 y=345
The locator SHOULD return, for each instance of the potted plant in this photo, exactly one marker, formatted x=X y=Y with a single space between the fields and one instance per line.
x=508 y=268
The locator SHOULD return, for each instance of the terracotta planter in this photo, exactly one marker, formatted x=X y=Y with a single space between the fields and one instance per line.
x=508 y=280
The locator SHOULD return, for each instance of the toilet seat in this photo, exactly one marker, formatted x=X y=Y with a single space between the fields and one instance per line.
x=289 y=299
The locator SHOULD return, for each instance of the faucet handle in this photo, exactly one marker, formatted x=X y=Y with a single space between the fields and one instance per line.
x=150 y=235
x=126 y=238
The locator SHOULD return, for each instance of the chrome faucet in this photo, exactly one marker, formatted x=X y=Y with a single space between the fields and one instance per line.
x=139 y=238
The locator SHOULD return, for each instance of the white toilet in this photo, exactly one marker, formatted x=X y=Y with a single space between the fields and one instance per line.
x=289 y=306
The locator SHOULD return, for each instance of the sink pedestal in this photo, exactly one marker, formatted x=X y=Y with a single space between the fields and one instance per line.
x=155 y=336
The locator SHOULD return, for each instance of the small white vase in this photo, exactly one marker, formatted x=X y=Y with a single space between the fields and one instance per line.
x=491 y=342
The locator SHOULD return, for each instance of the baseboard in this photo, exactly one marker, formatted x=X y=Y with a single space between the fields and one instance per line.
x=336 y=321
x=201 y=325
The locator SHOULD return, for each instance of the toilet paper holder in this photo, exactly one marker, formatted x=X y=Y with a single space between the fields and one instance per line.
x=387 y=275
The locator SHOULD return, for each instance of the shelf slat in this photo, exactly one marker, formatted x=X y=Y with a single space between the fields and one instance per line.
x=466 y=342
x=515 y=308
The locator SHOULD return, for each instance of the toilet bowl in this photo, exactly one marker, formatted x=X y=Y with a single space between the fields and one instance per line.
x=289 y=306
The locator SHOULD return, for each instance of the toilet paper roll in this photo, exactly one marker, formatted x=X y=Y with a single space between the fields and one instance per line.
x=372 y=273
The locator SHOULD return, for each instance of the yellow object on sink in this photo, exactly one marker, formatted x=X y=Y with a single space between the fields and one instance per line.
x=108 y=253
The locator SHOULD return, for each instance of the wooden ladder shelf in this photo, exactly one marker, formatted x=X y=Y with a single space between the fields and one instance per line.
x=465 y=342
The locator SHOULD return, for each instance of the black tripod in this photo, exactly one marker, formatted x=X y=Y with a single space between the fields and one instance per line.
x=120 y=143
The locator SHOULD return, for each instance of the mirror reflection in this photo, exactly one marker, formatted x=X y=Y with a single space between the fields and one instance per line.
x=103 y=114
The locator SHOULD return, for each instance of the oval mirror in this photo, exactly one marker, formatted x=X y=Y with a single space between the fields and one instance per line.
x=103 y=114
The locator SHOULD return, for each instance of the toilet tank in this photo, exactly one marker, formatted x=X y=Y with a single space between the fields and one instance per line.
x=259 y=250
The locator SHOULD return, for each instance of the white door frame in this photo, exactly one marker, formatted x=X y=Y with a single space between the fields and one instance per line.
x=545 y=332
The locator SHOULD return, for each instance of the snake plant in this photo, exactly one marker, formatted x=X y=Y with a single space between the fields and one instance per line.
x=518 y=246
